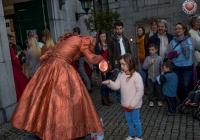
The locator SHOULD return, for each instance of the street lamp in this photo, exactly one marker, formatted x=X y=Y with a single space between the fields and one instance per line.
x=86 y=5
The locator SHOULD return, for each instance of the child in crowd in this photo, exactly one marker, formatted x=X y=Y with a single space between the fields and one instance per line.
x=153 y=64
x=130 y=83
x=193 y=97
x=169 y=82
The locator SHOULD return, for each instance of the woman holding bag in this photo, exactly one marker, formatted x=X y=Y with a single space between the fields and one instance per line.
x=181 y=51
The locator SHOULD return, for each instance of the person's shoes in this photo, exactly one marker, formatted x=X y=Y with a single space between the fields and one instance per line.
x=90 y=91
x=151 y=104
x=194 y=104
x=136 y=138
x=170 y=114
x=129 y=138
x=160 y=103
x=104 y=101
x=188 y=102
x=109 y=100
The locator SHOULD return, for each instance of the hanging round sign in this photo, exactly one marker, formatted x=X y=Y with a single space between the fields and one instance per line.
x=189 y=6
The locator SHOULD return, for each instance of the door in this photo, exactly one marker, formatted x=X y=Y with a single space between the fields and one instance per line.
x=31 y=17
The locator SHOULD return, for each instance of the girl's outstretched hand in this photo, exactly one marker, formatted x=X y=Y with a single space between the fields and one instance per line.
x=106 y=82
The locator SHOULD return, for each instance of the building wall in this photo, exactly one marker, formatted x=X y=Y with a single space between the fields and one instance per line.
x=8 y=98
x=133 y=13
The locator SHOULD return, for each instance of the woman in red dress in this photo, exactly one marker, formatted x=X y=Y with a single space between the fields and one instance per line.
x=19 y=78
x=55 y=104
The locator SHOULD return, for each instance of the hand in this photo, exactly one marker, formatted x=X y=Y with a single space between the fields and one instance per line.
x=162 y=72
x=24 y=51
x=106 y=82
x=178 y=53
x=18 y=53
x=130 y=107
x=199 y=86
x=152 y=61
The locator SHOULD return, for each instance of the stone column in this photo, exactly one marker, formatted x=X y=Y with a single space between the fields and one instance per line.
x=55 y=19
x=8 y=98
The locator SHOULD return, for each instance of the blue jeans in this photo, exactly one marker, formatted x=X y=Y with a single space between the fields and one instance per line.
x=194 y=96
x=142 y=72
x=133 y=120
x=104 y=89
x=184 y=75
x=81 y=70
x=117 y=92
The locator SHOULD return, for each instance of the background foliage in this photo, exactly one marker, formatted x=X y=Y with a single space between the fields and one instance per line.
x=104 y=19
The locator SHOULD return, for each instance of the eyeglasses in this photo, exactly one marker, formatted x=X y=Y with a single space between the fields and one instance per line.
x=178 y=29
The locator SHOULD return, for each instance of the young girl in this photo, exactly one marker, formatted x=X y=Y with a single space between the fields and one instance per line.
x=33 y=54
x=130 y=83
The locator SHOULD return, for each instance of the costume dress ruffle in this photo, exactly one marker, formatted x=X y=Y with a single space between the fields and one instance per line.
x=56 y=105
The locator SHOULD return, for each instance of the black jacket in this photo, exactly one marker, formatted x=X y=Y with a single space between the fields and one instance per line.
x=156 y=40
x=114 y=51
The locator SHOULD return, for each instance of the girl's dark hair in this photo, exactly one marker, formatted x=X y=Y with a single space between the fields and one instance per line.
x=143 y=30
x=103 y=31
x=168 y=64
x=186 y=33
x=131 y=64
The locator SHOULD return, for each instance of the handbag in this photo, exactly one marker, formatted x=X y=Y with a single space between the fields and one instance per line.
x=173 y=53
x=96 y=78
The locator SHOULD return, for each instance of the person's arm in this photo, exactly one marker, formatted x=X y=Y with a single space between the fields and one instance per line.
x=86 y=48
x=197 y=57
x=195 y=44
x=163 y=79
x=28 y=57
x=14 y=58
x=138 y=84
x=147 y=63
x=113 y=85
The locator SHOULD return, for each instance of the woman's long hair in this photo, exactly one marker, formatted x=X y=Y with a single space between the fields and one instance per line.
x=131 y=64
x=103 y=31
x=33 y=46
x=48 y=38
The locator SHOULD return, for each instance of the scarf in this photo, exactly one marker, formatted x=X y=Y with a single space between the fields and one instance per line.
x=184 y=46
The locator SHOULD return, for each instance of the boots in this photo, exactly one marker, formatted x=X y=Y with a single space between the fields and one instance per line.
x=104 y=101
x=108 y=99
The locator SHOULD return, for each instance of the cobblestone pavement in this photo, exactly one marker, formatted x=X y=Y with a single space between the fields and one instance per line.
x=155 y=124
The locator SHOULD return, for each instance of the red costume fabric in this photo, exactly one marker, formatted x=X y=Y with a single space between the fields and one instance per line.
x=19 y=78
x=56 y=104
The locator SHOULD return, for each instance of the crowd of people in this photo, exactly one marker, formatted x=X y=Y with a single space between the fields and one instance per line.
x=54 y=100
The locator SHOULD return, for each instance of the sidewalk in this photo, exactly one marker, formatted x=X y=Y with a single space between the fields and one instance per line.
x=155 y=124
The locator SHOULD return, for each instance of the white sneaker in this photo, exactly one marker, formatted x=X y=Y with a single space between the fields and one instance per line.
x=151 y=104
x=129 y=138
x=160 y=103
x=136 y=138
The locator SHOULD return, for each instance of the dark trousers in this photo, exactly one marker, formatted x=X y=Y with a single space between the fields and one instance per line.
x=194 y=96
x=104 y=89
x=184 y=75
x=171 y=103
x=198 y=71
x=154 y=91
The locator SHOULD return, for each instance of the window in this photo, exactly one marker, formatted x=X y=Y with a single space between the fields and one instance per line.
x=100 y=5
